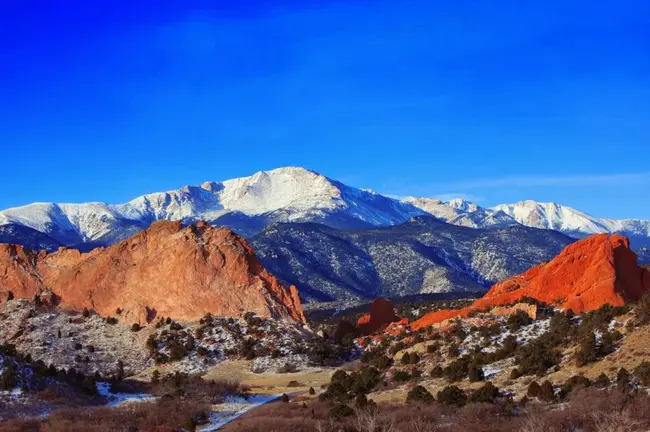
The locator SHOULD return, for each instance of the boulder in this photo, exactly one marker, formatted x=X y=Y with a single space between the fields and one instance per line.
x=381 y=314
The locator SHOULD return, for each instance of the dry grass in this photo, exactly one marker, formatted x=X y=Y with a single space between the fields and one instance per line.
x=269 y=382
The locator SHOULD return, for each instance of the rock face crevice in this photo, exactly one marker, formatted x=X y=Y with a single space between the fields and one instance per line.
x=179 y=272
x=586 y=275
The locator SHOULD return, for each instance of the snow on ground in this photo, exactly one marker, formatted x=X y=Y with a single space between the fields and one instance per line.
x=116 y=399
x=491 y=371
x=233 y=408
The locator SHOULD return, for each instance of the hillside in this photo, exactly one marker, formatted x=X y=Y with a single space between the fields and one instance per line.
x=166 y=270
x=586 y=275
x=424 y=255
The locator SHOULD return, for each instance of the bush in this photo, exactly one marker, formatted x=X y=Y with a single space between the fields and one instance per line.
x=135 y=327
x=515 y=373
x=533 y=390
x=401 y=376
x=436 y=372
x=452 y=395
x=642 y=373
x=602 y=381
x=85 y=313
x=383 y=362
x=457 y=370
x=111 y=321
x=453 y=351
x=419 y=394
x=574 y=382
x=546 y=392
x=415 y=358
x=312 y=392
x=406 y=358
x=284 y=398
x=536 y=357
x=518 y=320
x=475 y=373
x=78 y=346
x=340 y=411
x=433 y=348
x=486 y=394
x=623 y=380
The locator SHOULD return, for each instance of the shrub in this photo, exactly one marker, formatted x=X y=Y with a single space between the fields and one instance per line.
x=453 y=351
x=78 y=346
x=401 y=376
x=515 y=373
x=406 y=358
x=588 y=352
x=623 y=380
x=10 y=295
x=436 y=372
x=602 y=381
x=284 y=398
x=176 y=351
x=383 y=362
x=573 y=383
x=135 y=327
x=419 y=394
x=432 y=348
x=85 y=313
x=414 y=359
x=452 y=395
x=486 y=394
x=642 y=373
x=340 y=411
x=312 y=392
x=517 y=320
x=536 y=357
x=546 y=392
x=457 y=370
x=533 y=390
x=475 y=373
x=111 y=320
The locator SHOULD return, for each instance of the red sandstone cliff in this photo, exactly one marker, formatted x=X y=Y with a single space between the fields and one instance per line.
x=166 y=270
x=584 y=276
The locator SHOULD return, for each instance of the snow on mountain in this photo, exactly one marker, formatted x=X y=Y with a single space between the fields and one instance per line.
x=246 y=204
x=462 y=212
x=573 y=222
x=291 y=194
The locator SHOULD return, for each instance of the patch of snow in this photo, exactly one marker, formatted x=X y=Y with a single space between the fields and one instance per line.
x=116 y=399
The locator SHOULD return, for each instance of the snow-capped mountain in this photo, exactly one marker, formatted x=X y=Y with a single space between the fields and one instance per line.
x=462 y=212
x=293 y=194
x=574 y=222
x=246 y=204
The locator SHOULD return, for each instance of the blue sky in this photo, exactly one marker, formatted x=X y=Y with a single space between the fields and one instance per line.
x=495 y=101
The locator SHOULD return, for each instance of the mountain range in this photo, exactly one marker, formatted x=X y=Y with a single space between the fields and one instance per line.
x=292 y=194
x=333 y=241
x=421 y=256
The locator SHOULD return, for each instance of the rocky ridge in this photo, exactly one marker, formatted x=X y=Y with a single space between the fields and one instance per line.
x=587 y=274
x=166 y=270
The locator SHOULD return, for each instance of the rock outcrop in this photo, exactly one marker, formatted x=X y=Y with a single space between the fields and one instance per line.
x=166 y=270
x=584 y=276
x=381 y=314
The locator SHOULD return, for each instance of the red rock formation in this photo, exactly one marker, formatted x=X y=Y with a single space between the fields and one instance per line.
x=584 y=276
x=166 y=270
x=381 y=314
